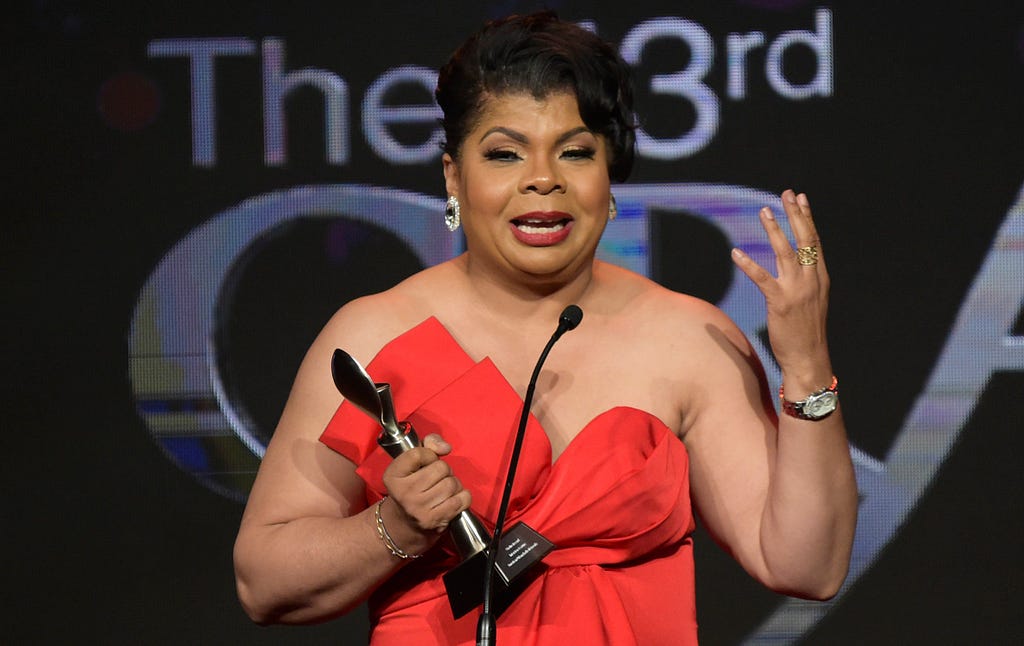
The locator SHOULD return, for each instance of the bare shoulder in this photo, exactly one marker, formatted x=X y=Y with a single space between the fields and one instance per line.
x=664 y=317
x=364 y=325
x=299 y=475
x=361 y=328
x=683 y=347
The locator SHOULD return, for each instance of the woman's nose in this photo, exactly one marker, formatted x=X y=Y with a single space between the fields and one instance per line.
x=542 y=177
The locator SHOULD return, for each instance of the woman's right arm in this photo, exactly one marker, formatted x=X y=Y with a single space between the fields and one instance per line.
x=308 y=548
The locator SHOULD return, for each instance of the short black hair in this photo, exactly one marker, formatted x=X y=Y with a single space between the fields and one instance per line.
x=540 y=54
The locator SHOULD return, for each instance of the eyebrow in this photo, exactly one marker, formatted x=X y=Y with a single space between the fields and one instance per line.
x=521 y=138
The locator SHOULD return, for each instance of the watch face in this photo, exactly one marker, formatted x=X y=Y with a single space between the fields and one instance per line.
x=820 y=405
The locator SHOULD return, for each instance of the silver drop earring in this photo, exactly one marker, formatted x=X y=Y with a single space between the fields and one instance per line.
x=452 y=219
x=613 y=208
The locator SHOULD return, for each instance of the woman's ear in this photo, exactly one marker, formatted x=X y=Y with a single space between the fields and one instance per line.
x=451 y=174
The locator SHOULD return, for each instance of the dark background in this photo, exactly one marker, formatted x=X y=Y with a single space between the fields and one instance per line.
x=911 y=165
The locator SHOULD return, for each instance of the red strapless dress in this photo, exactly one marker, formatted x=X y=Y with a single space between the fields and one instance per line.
x=616 y=505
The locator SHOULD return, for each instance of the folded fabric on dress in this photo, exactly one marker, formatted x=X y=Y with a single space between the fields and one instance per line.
x=615 y=504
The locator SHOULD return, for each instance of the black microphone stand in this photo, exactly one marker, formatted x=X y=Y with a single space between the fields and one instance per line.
x=486 y=631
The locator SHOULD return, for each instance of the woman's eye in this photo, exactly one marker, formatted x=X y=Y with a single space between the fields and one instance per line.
x=501 y=155
x=579 y=153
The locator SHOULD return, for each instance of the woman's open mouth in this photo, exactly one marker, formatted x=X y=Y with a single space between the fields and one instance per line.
x=542 y=229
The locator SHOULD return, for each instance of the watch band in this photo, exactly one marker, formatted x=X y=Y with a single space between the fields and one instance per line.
x=817 y=406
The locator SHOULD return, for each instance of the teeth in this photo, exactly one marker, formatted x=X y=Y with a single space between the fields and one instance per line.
x=527 y=227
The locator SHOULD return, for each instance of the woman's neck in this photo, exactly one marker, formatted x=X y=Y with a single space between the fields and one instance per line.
x=526 y=298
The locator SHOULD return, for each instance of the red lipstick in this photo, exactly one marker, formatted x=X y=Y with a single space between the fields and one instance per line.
x=542 y=228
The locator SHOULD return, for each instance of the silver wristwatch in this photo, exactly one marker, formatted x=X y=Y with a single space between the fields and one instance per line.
x=818 y=405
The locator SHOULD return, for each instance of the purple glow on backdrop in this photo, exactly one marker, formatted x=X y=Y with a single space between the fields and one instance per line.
x=774 y=5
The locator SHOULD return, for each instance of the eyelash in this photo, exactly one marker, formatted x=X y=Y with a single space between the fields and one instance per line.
x=499 y=154
x=582 y=152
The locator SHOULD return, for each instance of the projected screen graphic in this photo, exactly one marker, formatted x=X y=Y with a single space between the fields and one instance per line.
x=239 y=173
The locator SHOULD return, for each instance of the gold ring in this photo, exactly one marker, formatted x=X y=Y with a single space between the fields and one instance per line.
x=807 y=255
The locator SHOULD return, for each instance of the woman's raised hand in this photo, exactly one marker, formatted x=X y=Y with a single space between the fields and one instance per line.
x=797 y=295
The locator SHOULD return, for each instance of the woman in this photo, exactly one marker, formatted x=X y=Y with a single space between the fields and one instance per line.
x=657 y=397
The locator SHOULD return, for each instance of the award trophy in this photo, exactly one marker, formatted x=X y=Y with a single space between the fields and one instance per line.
x=522 y=546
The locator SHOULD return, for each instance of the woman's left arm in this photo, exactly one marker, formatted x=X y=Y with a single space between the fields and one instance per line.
x=778 y=493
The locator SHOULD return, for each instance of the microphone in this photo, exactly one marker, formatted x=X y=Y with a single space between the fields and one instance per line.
x=570 y=318
x=486 y=631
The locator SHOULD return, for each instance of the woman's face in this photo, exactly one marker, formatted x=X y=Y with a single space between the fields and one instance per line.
x=532 y=183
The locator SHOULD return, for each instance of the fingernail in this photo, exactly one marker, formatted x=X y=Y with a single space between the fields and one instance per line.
x=737 y=254
x=767 y=213
x=802 y=199
x=790 y=197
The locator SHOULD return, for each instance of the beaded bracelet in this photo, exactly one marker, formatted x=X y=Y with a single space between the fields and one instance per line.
x=384 y=536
